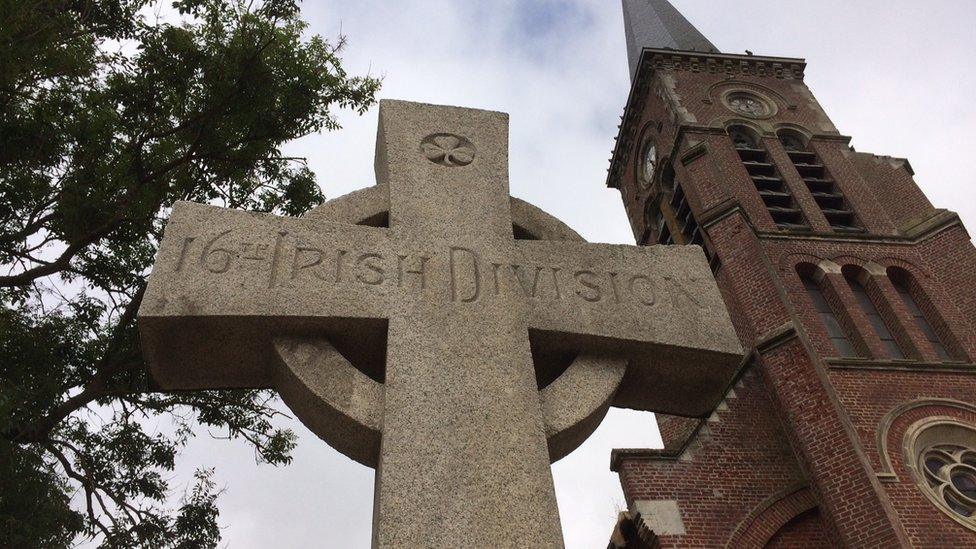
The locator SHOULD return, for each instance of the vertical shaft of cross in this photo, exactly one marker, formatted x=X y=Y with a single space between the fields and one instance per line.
x=463 y=459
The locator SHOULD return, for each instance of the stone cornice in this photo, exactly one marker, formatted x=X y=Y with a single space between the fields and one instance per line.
x=902 y=365
x=915 y=232
x=720 y=211
x=653 y=59
x=618 y=455
x=920 y=228
x=725 y=63
x=776 y=337
x=720 y=130
x=934 y=224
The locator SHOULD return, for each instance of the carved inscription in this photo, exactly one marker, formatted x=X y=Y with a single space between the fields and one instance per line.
x=364 y=268
x=461 y=274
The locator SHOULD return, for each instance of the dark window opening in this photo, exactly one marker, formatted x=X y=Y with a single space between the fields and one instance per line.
x=691 y=232
x=874 y=318
x=667 y=178
x=743 y=140
x=838 y=337
x=656 y=222
x=792 y=142
x=920 y=320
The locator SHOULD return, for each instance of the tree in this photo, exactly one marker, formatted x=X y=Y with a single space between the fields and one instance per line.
x=109 y=113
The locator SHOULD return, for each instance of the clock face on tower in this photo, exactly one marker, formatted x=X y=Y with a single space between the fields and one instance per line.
x=748 y=104
x=648 y=163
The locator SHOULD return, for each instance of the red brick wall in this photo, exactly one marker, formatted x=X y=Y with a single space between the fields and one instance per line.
x=869 y=396
x=803 y=532
x=808 y=419
x=701 y=93
x=738 y=463
x=950 y=275
x=892 y=184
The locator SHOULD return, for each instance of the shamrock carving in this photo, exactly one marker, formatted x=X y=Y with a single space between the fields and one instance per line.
x=448 y=149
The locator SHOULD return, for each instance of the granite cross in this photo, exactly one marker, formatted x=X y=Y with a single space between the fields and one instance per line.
x=454 y=338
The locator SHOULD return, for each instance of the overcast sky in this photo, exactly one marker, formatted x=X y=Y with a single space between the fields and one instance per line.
x=896 y=75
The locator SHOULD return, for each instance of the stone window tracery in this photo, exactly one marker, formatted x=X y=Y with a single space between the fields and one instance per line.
x=742 y=139
x=792 y=142
x=950 y=471
x=943 y=460
x=749 y=104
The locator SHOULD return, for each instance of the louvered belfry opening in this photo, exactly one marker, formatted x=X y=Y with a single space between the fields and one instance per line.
x=771 y=188
x=686 y=220
x=691 y=231
x=824 y=189
x=655 y=220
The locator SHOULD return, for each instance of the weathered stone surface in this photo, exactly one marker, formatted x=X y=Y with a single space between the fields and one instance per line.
x=574 y=405
x=330 y=396
x=409 y=345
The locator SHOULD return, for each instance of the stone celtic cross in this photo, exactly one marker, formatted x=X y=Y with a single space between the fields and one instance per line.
x=454 y=338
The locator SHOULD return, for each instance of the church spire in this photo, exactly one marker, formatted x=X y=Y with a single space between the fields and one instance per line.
x=657 y=24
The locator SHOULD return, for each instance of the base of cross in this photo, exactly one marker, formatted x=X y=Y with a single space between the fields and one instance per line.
x=454 y=338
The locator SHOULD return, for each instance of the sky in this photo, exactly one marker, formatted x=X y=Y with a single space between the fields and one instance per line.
x=896 y=75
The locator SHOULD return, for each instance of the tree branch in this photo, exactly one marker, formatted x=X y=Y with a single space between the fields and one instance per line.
x=86 y=484
x=95 y=389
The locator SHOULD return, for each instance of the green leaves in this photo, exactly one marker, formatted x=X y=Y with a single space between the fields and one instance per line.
x=108 y=116
x=35 y=507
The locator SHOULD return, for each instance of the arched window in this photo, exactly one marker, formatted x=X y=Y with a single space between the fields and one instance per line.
x=774 y=193
x=901 y=281
x=792 y=141
x=838 y=337
x=874 y=317
x=667 y=177
x=743 y=138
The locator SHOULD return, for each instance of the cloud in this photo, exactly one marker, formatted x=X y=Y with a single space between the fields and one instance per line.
x=892 y=74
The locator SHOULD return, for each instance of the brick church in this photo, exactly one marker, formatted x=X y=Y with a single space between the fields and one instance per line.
x=852 y=422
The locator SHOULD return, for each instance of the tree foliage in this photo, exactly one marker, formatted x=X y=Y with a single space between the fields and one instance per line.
x=110 y=111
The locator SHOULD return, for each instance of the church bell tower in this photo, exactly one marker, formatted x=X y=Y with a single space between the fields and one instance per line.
x=852 y=422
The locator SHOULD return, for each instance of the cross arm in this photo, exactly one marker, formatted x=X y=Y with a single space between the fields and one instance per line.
x=226 y=282
x=658 y=307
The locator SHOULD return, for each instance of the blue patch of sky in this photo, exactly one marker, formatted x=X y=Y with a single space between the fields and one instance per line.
x=541 y=29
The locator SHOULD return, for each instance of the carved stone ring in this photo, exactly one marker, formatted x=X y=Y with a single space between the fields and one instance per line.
x=448 y=149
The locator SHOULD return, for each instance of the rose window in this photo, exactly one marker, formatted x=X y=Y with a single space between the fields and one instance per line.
x=748 y=104
x=950 y=473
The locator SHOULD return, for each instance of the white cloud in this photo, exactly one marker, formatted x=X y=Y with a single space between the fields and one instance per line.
x=893 y=74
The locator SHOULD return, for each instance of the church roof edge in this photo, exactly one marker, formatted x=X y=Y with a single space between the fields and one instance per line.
x=750 y=58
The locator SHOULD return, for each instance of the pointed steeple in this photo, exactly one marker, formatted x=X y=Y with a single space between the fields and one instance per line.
x=657 y=24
